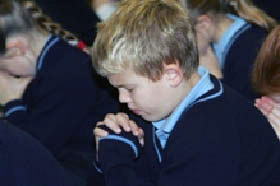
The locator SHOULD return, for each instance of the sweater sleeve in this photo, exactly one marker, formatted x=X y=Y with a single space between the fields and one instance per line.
x=119 y=160
x=188 y=161
x=120 y=168
x=16 y=109
x=24 y=161
x=58 y=115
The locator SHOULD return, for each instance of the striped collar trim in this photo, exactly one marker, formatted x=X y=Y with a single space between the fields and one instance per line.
x=51 y=40
x=195 y=96
x=229 y=36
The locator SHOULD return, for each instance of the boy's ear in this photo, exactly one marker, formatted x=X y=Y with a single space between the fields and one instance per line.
x=17 y=46
x=203 y=24
x=173 y=75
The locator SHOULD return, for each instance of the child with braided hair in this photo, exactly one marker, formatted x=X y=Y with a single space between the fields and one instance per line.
x=64 y=97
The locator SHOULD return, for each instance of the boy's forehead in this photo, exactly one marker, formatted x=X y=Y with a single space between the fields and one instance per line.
x=123 y=78
x=119 y=78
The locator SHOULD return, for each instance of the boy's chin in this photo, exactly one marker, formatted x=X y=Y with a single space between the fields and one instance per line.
x=151 y=118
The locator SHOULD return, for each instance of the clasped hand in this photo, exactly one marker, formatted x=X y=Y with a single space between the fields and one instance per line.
x=118 y=122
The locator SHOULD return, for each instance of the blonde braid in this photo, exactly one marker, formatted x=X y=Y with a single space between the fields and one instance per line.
x=46 y=24
x=247 y=10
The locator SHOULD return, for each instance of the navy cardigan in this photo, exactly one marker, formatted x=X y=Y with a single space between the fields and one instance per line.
x=240 y=59
x=25 y=162
x=222 y=141
x=62 y=104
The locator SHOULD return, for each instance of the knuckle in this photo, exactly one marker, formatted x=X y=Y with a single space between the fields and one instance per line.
x=123 y=115
x=109 y=115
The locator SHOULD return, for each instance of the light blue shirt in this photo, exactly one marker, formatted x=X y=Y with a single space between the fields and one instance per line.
x=221 y=48
x=164 y=127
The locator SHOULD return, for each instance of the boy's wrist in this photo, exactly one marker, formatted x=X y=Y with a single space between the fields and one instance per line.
x=13 y=106
x=116 y=149
x=113 y=153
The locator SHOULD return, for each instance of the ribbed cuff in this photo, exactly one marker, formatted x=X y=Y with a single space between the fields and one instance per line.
x=14 y=106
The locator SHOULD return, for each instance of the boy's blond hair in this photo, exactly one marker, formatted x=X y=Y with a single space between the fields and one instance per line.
x=144 y=35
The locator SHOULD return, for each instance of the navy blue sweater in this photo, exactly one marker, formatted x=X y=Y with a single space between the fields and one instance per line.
x=221 y=141
x=25 y=162
x=240 y=58
x=62 y=103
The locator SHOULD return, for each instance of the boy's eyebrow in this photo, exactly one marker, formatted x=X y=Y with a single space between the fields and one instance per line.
x=117 y=86
x=123 y=86
x=120 y=85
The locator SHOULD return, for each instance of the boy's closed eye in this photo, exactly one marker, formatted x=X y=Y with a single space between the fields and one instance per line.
x=130 y=90
x=126 y=88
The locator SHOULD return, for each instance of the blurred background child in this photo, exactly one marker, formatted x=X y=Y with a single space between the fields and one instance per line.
x=234 y=30
x=64 y=98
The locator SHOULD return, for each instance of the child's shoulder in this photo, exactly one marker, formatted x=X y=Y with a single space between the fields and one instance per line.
x=250 y=38
x=63 y=61
x=66 y=50
x=223 y=112
x=222 y=105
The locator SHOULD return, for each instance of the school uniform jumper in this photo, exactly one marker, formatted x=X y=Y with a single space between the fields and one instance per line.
x=213 y=138
x=25 y=162
x=236 y=52
x=62 y=104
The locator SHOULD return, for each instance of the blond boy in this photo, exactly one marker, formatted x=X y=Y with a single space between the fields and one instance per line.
x=202 y=132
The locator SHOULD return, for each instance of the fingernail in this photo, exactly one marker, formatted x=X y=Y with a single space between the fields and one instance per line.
x=127 y=129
